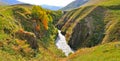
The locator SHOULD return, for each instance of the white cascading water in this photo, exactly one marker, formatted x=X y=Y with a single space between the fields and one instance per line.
x=62 y=44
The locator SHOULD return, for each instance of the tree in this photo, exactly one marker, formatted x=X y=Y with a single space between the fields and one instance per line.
x=40 y=15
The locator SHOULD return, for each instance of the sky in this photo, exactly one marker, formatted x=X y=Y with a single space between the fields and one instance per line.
x=61 y=3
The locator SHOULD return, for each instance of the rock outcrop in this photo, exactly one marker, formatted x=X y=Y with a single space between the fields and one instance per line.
x=30 y=37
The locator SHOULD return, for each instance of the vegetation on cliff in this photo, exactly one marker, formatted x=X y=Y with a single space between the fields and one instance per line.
x=28 y=33
x=91 y=24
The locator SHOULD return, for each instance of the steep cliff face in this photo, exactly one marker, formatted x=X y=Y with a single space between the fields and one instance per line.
x=91 y=25
x=89 y=31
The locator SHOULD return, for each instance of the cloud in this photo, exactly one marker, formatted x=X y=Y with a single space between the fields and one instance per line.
x=48 y=2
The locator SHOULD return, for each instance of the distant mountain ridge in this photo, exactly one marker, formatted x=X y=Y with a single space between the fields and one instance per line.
x=11 y=2
x=2 y=3
x=51 y=7
x=74 y=4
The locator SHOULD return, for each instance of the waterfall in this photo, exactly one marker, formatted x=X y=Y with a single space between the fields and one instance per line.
x=62 y=44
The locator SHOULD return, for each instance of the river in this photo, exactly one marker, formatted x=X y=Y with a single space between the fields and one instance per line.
x=62 y=44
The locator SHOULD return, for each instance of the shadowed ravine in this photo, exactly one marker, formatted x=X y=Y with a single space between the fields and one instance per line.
x=62 y=44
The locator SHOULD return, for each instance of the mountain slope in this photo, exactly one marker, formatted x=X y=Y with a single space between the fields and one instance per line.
x=51 y=7
x=27 y=33
x=11 y=2
x=23 y=35
x=91 y=25
x=3 y=3
x=74 y=4
x=105 y=52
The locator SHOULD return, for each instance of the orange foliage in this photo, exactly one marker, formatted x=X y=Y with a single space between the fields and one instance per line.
x=27 y=50
x=40 y=15
x=45 y=24
x=21 y=30
x=67 y=35
x=16 y=48
x=37 y=27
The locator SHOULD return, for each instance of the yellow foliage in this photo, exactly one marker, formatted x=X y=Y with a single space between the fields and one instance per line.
x=25 y=46
x=22 y=45
x=20 y=42
x=27 y=50
x=40 y=15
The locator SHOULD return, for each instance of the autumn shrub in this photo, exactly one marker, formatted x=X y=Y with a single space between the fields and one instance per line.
x=22 y=47
x=40 y=15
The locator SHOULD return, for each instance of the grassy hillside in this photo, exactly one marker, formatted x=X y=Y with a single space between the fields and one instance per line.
x=106 y=52
x=91 y=24
x=24 y=35
x=28 y=33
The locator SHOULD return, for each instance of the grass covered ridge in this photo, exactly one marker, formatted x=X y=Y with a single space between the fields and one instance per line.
x=105 y=52
x=24 y=35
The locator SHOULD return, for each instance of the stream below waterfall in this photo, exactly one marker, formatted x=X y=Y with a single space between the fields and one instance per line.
x=62 y=44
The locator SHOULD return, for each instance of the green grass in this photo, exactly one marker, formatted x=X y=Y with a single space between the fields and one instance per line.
x=105 y=18
x=14 y=18
x=105 y=52
x=6 y=56
x=112 y=26
x=110 y=2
